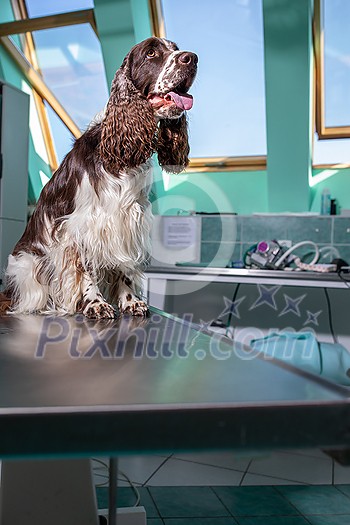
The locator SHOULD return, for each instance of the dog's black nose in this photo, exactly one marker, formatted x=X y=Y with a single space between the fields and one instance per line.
x=188 y=58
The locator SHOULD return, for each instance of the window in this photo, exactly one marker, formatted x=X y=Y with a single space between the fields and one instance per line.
x=332 y=46
x=44 y=7
x=66 y=66
x=71 y=65
x=227 y=122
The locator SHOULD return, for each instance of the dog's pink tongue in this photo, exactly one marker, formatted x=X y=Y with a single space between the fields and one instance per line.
x=184 y=102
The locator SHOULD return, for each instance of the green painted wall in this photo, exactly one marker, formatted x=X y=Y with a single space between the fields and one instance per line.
x=288 y=66
x=115 y=26
x=225 y=192
x=337 y=181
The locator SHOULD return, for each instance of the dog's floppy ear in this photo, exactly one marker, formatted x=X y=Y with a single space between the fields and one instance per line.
x=128 y=127
x=172 y=144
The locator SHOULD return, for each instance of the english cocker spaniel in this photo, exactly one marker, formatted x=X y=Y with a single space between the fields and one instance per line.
x=85 y=245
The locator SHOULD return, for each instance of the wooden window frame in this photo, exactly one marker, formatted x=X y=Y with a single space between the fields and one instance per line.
x=323 y=131
x=206 y=164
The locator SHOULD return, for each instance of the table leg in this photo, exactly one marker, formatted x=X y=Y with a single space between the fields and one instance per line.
x=112 y=502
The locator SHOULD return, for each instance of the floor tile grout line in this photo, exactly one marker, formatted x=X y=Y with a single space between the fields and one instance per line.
x=306 y=519
x=207 y=464
x=290 y=503
x=223 y=504
x=144 y=484
x=301 y=483
x=327 y=515
x=249 y=472
x=245 y=473
x=154 y=503
x=288 y=453
x=336 y=486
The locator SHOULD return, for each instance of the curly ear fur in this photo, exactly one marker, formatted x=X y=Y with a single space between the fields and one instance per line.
x=172 y=144
x=128 y=127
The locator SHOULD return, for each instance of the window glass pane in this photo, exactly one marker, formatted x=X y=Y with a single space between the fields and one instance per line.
x=228 y=115
x=63 y=139
x=336 y=15
x=50 y=7
x=71 y=62
x=331 y=151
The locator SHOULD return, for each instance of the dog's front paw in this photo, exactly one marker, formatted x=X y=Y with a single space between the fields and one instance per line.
x=99 y=310
x=133 y=307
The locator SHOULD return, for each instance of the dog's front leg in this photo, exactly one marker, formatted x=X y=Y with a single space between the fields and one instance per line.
x=128 y=302
x=93 y=304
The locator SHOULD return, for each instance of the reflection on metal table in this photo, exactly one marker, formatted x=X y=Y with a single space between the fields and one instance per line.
x=73 y=387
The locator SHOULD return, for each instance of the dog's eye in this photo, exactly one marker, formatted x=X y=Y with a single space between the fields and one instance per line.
x=151 y=53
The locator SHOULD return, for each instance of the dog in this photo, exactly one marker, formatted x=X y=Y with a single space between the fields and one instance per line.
x=86 y=245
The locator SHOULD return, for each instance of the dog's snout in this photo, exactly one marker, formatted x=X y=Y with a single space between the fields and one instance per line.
x=187 y=58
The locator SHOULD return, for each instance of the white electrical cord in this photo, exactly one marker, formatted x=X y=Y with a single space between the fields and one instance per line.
x=329 y=251
x=298 y=245
x=105 y=475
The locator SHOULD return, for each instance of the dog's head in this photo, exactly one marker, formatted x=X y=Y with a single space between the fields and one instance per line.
x=146 y=109
x=163 y=74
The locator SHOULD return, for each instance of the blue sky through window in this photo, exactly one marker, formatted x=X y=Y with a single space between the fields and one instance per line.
x=52 y=7
x=228 y=116
x=71 y=62
x=337 y=62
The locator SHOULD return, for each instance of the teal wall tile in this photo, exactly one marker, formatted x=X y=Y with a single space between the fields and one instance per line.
x=341 y=228
x=255 y=229
x=222 y=227
x=316 y=229
x=219 y=254
x=250 y=230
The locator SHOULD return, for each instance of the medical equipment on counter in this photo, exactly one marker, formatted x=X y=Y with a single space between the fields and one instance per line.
x=274 y=256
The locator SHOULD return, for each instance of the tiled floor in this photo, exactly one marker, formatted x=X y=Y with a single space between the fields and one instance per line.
x=281 y=488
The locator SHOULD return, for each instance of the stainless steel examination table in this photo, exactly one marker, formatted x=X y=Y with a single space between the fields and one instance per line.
x=72 y=388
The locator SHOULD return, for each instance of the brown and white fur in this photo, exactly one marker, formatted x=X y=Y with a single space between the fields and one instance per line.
x=85 y=246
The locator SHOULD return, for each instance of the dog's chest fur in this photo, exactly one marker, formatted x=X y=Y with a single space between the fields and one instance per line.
x=111 y=227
